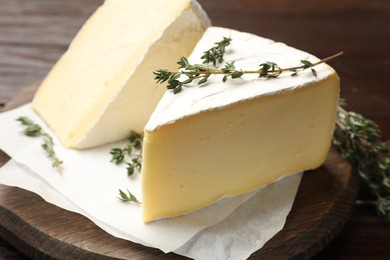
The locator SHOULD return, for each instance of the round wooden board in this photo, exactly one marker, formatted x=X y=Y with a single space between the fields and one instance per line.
x=40 y=230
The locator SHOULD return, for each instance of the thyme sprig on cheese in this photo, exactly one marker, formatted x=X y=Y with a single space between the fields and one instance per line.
x=188 y=72
x=34 y=130
x=216 y=53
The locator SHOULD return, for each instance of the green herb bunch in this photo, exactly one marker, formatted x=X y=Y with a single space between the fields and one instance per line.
x=359 y=141
x=33 y=130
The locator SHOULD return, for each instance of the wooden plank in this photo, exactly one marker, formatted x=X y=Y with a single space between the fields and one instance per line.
x=43 y=22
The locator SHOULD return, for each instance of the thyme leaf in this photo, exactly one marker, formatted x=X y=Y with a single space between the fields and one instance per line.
x=127 y=197
x=216 y=53
x=118 y=155
x=135 y=164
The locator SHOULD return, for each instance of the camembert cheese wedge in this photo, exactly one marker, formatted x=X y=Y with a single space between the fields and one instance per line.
x=224 y=139
x=103 y=87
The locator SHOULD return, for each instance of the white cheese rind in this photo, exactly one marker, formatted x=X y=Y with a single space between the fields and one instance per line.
x=103 y=87
x=248 y=51
x=225 y=139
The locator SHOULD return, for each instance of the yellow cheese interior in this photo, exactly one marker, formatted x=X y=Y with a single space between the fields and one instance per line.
x=103 y=86
x=197 y=160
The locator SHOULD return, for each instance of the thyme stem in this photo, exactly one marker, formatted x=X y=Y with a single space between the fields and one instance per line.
x=280 y=70
x=202 y=72
x=32 y=129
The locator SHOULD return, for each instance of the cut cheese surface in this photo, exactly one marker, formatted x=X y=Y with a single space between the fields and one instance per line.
x=103 y=87
x=224 y=139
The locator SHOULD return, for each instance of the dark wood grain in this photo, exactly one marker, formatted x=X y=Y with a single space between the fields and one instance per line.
x=34 y=33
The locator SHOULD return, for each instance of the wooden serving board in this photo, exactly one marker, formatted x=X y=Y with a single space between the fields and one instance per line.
x=40 y=230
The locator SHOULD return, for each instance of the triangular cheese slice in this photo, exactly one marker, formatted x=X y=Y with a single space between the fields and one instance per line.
x=103 y=87
x=223 y=139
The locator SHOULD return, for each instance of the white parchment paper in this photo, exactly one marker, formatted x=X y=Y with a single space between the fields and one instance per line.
x=232 y=228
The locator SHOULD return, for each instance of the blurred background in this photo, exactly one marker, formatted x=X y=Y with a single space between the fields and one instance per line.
x=34 y=33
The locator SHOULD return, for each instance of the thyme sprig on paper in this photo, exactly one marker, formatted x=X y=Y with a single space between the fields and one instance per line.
x=34 y=130
x=359 y=141
x=132 y=150
x=188 y=72
x=127 y=197
x=118 y=155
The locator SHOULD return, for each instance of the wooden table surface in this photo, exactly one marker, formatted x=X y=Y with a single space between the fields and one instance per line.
x=34 y=33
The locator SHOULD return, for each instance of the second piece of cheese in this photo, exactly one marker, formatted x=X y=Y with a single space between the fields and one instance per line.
x=224 y=139
x=103 y=87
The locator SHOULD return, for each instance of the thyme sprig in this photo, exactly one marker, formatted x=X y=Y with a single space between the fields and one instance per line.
x=133 y=150
x=359 y=141
x=118 y=155
x=34 y=130
x=135 y=164
x=216 y=53
x=127 y=197
x=188 y=72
